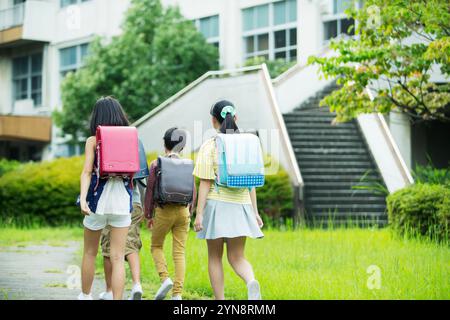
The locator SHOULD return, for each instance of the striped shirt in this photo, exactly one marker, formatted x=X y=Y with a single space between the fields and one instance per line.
x=206 y=168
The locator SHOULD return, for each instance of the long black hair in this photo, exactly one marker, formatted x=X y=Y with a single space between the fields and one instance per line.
x=224 y=112
x=107 y=112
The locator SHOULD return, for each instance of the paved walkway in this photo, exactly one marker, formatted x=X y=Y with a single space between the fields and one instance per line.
x=41 y=272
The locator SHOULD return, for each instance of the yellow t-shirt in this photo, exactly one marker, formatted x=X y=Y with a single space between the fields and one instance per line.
x=206 y=168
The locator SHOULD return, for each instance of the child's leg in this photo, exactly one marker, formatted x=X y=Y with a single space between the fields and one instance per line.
x=161 y=226
x=215 y=267
x=135 y=267
x=91 y=240
x=134 y=243
x=236 y=257
x=107 y=267
x=118 y=239
x=179 y=234
x=105 y=243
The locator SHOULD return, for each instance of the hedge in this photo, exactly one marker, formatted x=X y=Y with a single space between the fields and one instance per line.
x=43 y=192
x=421 y=209
x=46 y=192
x=8 y=165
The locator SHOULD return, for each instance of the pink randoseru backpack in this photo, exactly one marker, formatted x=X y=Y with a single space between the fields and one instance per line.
x=117 y=151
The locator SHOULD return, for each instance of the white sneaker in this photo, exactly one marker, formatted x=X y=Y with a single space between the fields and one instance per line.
x=254 y=291
x=83 y=296
x=164 y=289
x=177 y=297
x=106 y=295
x=136 y=292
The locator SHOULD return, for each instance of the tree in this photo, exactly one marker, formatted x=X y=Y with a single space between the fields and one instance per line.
x=158 y=53
x=387 y=65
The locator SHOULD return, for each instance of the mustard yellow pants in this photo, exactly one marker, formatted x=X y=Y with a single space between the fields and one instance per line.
x=175 y=219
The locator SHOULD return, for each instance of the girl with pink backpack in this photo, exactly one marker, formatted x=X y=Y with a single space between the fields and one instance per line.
x=106 y=190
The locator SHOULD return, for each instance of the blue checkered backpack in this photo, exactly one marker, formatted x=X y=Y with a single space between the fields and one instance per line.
x=240 y=161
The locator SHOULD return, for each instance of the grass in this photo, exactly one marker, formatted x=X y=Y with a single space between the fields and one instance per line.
x=303 y=264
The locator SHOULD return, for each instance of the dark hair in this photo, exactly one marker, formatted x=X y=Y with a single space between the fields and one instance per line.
x=227 y=123
x=107 y=112
x=175 y=139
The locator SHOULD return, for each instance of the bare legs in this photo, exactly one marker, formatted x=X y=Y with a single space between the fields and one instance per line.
x=215 y=267
x=91 y=240
x=118 y=240
x=116 y=266
x=236 y=258
x=133 y=262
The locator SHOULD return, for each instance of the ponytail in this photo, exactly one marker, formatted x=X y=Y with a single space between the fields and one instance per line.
x=228 y=125
x=224 y=113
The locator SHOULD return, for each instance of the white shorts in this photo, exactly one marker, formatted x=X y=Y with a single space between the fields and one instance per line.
x=96 y=222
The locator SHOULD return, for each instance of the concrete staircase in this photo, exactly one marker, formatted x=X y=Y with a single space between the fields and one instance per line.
x=333 y=160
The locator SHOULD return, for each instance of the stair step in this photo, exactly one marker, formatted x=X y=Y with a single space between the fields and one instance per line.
x=340 y=192
x=344 y=214
x=330 y=131
x=330 y=137
x=308 y=119
x=347 y=178
x=348 y=151
x=336 y=164
x=309 y=115
x=346 y=200
x=335 y=157
x=324 y=144
x=335 y=171
x=319 y=126
x=346 y=207
x=312 y=111
x=334 y=185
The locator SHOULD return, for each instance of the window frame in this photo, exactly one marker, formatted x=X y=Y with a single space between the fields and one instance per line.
x=77 y=2
x=211 y=40
x=271 y=29
x=337 y=18
x=28 y=76
x=64 y=70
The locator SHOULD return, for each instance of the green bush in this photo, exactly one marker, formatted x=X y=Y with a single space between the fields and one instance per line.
x=432 y=175
x=42 y=192
x=275 y=198
x=8 y=165
x=421 y=209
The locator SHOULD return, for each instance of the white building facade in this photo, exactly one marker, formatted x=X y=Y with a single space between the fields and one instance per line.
x=42 y=40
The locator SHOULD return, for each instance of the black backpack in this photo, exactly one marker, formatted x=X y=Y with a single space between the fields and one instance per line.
x=174 y=181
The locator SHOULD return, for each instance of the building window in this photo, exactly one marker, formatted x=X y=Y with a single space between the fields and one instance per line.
x=65 y=3
x=72 y=58
x=334 y=28
x=27 y=78
x=270 y=31
x=338 y=23
x=209 y=27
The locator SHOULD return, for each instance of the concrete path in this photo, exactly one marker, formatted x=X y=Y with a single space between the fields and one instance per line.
x=42 y=272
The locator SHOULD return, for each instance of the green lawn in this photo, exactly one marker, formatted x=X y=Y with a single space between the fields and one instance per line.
x=304 y=264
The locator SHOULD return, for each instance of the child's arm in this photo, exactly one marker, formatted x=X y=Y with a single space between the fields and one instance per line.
x=85 y=178
x=255 y=207
x=203 y=191
x=148 y=202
